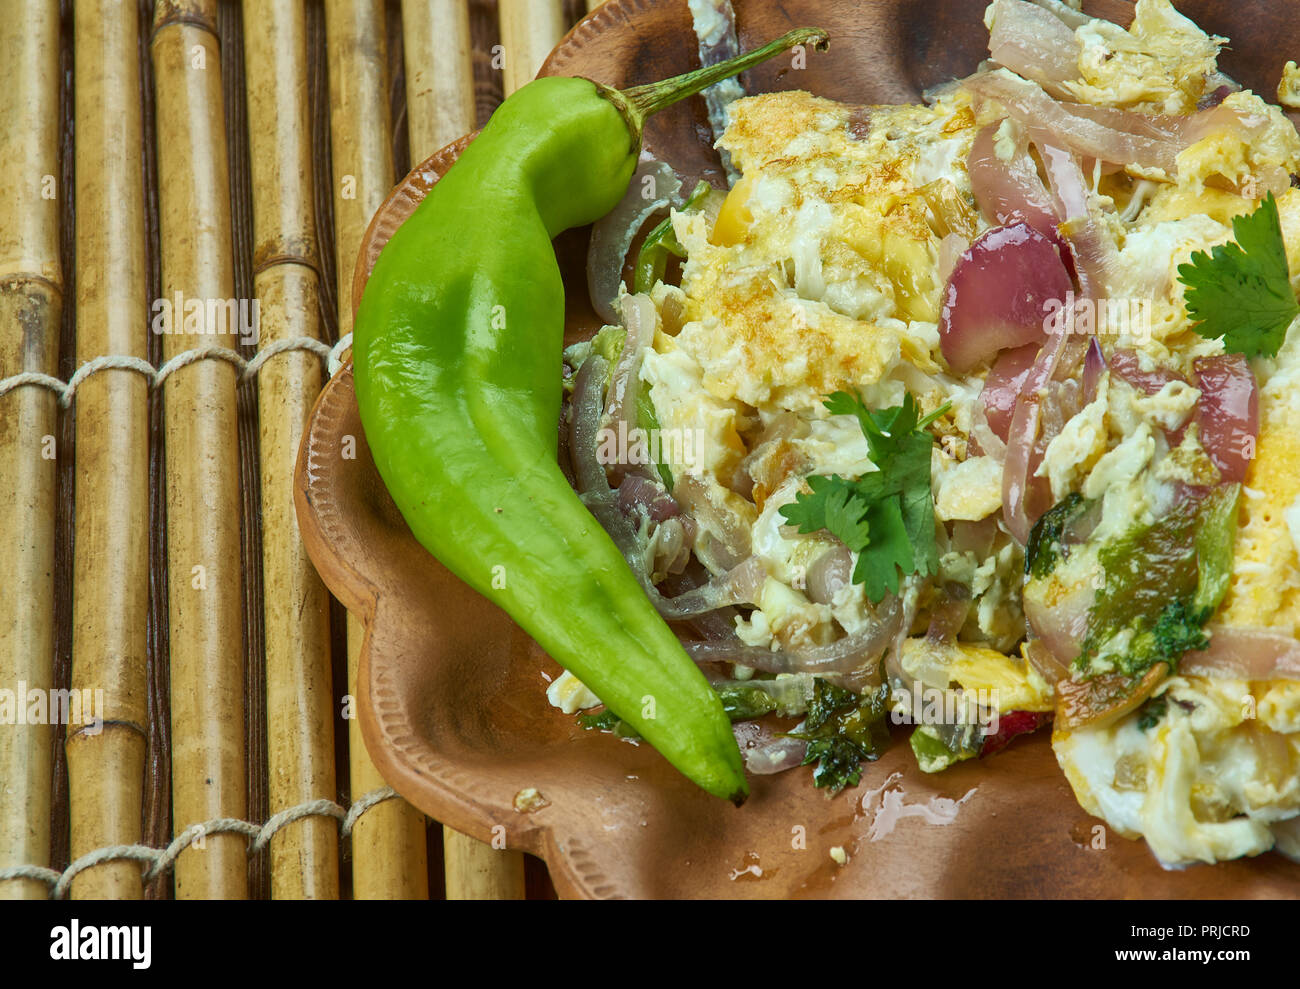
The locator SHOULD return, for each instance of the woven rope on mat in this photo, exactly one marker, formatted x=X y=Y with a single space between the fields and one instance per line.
x=247 y=369
x=160 y=860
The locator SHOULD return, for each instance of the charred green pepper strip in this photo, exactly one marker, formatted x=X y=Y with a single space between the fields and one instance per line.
x=457 y=348
x=652 y=259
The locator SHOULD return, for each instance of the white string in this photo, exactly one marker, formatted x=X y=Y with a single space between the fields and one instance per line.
x=247 y=369
x=161 y=860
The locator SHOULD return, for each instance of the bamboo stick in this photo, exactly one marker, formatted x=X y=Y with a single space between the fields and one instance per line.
x=389 y=857
x=439 y=73
x=200 y=434
x=111 y=547
x=529 y=30
x=31 y=300
x=477 y=871
x=299 y=698
x=360 y=130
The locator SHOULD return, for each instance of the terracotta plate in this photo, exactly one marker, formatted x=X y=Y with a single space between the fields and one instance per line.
x=452 y=699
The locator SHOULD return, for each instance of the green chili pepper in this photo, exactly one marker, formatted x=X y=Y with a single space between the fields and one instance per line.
x=457 y=349
x=652 y=259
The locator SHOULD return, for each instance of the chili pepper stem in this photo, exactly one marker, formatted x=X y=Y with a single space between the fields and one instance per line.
x=639 y=102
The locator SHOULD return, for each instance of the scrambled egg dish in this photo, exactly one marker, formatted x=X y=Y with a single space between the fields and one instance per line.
x=860 y=250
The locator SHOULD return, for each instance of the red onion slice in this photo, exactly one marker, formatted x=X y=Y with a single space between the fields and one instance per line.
x=738 y=586
x=1124 y=364
x=1228 y=413
x=729 y=539
x=1025 y=496
x=1009 y=190
x=1245 y=654
x=859 y=652
x=1094 y=366
x=625 y=383
x=998 y=295
x=828 y=573
x=1092 y=248
x=1059 y=626
x=640 y=494
x=1042 y=659
x=1003 y=386
x=1120 y=136
x=948 y=614
x=1035 y=43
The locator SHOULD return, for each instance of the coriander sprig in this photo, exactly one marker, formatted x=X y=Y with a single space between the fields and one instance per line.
x=887 y=516
x=1241 y=291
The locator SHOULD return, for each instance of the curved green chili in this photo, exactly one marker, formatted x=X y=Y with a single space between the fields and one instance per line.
x=457 y=349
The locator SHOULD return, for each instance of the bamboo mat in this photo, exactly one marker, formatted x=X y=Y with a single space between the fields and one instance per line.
x=153 y=154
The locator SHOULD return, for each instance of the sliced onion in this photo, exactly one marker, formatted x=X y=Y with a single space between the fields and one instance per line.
x=1026 y=496
x=998 y=295
x=625 y=383
x=650 y=498
x=670 y=549
x=1010 y=190
x=1093 y=248
x=1035 y=43
x=1228 y=413
x=949 y=614
x=828 y=573
x=858 y=652
x=894 y=658
x=1245 y=654
x=714 y=22
x=1123 y=137
x=1059 y=625
x=982 y=440
x=1003 y=385
x=612 y=235
x=766 y=752
x=1042 y=659
x=586 y=407
x=740 y=585
x=1094 y=366
x=1124 y=364
x=737 y=586
x=727 y=538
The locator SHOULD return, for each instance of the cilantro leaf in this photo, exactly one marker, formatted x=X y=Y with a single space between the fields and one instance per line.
x=885 y=516
x=834 y=506
x=846 y=517
x=1241 y=291
x=890 y=551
